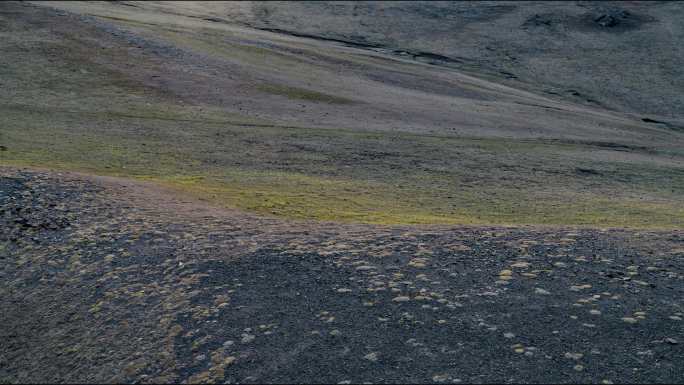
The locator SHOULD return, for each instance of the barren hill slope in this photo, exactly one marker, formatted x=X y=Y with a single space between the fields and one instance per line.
x=621 y=55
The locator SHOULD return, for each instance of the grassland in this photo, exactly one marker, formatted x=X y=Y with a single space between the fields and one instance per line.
x=352 y=176
x=64 y=110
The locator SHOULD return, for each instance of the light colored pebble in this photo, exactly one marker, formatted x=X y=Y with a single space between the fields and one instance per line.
x=247 y=338
x=573 y=356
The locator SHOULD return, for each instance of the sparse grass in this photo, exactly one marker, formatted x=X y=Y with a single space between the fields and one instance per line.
x=342 y=175
x=99 y=121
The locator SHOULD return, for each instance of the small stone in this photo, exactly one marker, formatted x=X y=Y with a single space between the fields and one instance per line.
x=573 y=356
x=247 y=338
x=505 y=273
x=373 y=357
x=440 y=377
x=521 y=265
x=675 y=318
x=509 y=335
x=578 y=368
x=595 y=312
x=364 y=268
x=417 y=263
x=607 y=382
x=580 y=287
x=671 y=341
x=541 y=291
x=335 y=332
x=401 y=299
x=630 y=320
x=344 y=290
x=519 y=350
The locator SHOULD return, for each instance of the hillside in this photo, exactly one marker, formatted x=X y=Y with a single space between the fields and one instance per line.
x=314 y=129
x=341 y=192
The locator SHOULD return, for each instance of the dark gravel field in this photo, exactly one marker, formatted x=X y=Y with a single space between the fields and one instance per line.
x=101 y=283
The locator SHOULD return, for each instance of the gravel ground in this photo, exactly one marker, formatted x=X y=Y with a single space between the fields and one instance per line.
x=100 y=282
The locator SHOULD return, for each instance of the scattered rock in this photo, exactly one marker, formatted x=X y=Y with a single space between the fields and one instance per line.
x=521 y=265
x=574 y=356
x=247 y=338
x=580 y=287
x=607 y=20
